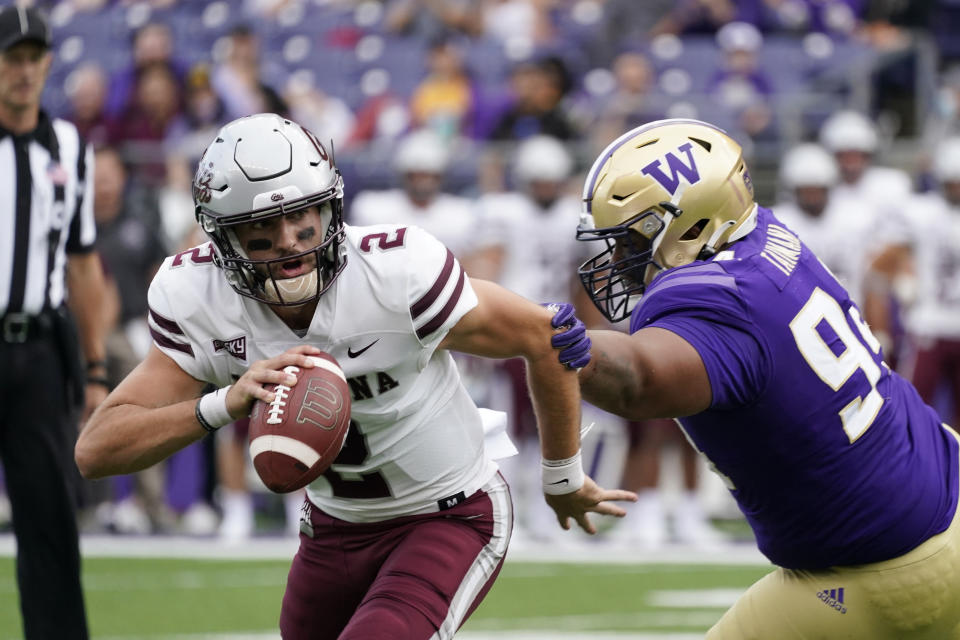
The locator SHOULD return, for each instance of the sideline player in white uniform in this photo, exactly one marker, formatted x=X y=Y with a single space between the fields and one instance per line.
x=421 y=162
x=837 y=234
x=405 y=533
x=523 y=242
x=922 y=268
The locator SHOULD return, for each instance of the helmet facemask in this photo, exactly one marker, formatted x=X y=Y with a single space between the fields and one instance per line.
x=263 y=280
x=619 y=275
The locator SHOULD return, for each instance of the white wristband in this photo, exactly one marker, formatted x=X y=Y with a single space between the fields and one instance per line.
x=562 y=476
x=212 y=409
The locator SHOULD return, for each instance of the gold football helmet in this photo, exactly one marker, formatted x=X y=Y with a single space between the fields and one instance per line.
x=660 y=196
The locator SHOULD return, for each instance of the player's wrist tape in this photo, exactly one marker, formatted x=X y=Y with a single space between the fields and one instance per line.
x=211 y=410
x=562 y=476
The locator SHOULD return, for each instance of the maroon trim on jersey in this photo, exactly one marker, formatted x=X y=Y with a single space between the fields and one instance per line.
x=165 y=323
x=431 y=296
x=164 y=341
x=441 y=317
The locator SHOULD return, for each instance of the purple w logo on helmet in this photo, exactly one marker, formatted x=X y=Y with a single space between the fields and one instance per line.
x=677 y=168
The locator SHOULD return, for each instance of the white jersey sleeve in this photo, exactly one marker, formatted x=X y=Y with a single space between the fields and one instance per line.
x=177 y=305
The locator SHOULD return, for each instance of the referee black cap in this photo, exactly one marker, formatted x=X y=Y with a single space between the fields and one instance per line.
x=18 y=24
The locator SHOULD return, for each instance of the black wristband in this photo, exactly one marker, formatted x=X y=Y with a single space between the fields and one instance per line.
x=99 y=380
x=209 y=428
x=96 y=364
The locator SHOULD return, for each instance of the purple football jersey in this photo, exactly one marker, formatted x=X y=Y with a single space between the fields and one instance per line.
x=833 y=458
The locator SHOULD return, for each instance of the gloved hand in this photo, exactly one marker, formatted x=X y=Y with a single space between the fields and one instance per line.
x=573 y=342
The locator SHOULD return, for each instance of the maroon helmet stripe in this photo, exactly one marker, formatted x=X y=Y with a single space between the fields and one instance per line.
x=164 y=341
x=431 y=296
x=441 y=317
x=165 y=323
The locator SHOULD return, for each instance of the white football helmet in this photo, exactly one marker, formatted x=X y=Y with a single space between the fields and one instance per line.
x=265 y=166
x=849 y=131
x=543 y=158
x=808 y=165
x=661 y=196
x=946 y=161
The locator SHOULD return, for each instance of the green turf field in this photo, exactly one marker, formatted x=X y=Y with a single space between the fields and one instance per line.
x=186 y=598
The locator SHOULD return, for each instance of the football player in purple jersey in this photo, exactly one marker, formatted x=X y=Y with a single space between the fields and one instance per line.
x=404 y=534
x=848 y=480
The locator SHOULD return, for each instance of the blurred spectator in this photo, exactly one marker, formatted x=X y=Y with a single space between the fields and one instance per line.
x=943 y=120
x=521 y=26
x=420 y=163
x=446 y=100
x=139 y=132
x=131 y=253
x=326 y=115
x=187 y=137
x=384 y=115
x=426 y=20
x=239 y=80
x=739 y=86
x=627 y=23
x=86 y=89
x=536 y=104
x=921 y=269
x=840 y=18
x=696 y=17
x=634 y=101
x=150 y=44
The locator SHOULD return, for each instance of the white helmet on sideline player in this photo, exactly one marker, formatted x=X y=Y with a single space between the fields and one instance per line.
x=808 y=165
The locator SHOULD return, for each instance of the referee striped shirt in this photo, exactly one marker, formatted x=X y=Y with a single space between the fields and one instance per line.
x=46 y=211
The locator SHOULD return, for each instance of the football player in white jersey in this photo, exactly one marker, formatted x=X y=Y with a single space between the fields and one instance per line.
x=405 y=533
x=420 y=164
x=808 y=205
x=921 y=268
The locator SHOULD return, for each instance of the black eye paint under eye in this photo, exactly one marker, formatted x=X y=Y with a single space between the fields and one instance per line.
x=306 y=234
x=259 y=244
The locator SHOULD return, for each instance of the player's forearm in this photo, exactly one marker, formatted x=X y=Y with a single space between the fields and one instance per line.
x=555 y=394
x=125 y=438
x=611 y=380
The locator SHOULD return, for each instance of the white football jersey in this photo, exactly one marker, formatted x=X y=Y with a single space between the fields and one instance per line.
x=935 y=239
x=540 y=245
x=843 y=237
x=449 y=218
x=416 y=439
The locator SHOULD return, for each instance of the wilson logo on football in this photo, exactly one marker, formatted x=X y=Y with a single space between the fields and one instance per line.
x=321 y=405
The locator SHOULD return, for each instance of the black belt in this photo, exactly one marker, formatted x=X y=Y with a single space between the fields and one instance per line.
x=18 y=327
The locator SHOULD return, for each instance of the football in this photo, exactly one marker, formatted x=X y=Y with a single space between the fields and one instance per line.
x=295 y=438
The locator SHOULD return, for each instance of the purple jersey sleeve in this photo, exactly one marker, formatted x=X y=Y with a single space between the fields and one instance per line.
x=701 y=305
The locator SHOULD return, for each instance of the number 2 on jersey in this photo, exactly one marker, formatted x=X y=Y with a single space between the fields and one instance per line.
x=834 y=369
x=356 y=485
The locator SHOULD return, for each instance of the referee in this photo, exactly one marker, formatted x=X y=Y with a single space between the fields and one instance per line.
x=46 y=259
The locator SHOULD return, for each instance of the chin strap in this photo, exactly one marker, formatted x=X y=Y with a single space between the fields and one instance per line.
x=711 y=247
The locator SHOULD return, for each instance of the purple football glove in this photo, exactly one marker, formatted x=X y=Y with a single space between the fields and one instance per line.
x=573 y=343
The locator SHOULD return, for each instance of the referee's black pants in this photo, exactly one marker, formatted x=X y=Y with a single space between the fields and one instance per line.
x=38 y=430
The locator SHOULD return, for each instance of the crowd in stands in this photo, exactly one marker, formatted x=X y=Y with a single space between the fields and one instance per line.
x=473 y=119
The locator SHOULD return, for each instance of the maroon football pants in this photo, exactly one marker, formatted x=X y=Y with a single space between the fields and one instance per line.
x=938 y=364
x=410 y=578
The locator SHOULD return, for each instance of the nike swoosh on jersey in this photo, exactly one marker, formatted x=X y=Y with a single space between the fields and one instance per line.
x=354 y=354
